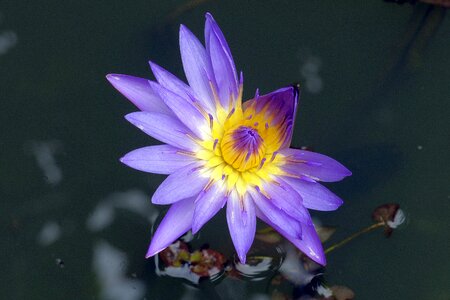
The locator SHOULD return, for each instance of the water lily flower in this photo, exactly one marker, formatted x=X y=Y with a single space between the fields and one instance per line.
x=219 y=150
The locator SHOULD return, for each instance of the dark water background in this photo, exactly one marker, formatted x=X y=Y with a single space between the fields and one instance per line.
x=75 y=223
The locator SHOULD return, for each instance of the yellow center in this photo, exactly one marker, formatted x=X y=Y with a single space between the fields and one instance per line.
x=242 y=147
x=242 y=150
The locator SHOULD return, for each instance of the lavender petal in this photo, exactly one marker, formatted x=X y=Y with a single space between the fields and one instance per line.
x=241 y=218
x=184 y=183
x=198 y=69
x=222 y=62
x=171 y=82
x=186 y=112
x=207 y=204
x=283 y=196
x=138 y=91
x=276 y=215
x=165 y=128
x=314 y=195
x=160 y=159
x=313 y=165
x=309 y=244
x=281 y=108
x=176 y=222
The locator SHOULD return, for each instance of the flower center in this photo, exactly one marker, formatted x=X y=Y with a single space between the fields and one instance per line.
x=242 y=148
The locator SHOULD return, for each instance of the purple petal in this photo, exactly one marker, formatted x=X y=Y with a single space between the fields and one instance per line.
x=312 y=165
x=139 y=92
x=276 y=215
x=176 y=222
x=184 y=183
x=171 y=82
x=161 y=159
x=309 y=244
x=222 y=62
x=186 y=112
x=280 y=109
x=314 y=195
x=165 y=128
x=198 y=69
x=283 y=196
x=241 y=220
x=207 y=204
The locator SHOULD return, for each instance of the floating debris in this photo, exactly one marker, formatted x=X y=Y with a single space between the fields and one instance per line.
x=60 y=263
x=180 y=262
x=390 y=215
x=293 y=275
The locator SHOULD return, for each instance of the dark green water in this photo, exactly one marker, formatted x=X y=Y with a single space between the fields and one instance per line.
x=75 y=223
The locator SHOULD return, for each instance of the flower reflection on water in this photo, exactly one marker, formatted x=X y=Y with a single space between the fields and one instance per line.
x=289 y=273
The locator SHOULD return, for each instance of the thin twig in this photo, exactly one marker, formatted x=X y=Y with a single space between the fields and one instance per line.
x=353 y=236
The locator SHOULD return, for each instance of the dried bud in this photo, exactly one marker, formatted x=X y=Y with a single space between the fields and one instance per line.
x=391 y=215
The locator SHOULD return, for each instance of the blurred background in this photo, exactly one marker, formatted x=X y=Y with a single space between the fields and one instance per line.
x=75 y=223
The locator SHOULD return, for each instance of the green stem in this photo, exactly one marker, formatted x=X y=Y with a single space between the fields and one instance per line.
x=353 y=236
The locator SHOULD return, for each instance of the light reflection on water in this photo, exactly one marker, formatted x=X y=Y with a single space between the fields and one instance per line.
x=8 y=39
x=262 y=265
x=110 y=266
x=135 y=201
x=49 y=234
x=45 y=153
x=310 y=68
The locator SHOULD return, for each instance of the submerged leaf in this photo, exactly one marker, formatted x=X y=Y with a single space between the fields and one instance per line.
x=325 y=232
x=341 y=292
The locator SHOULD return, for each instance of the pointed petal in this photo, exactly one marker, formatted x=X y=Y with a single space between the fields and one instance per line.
x=198 y=69
x=309 y=244
x=185 y=110
x=138 y=91
x=171 y=82
x=160 y=159
x=313 y=165
x=165 y=128
x=277 y=110
x=241 y=218
x=176 y=222
x=207 y=204
x=184 y=183
x=283 y=196
x=276 y=215
x=222 y=62
x=314 y=195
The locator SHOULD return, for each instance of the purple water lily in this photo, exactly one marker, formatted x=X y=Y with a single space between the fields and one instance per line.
x=220 y=151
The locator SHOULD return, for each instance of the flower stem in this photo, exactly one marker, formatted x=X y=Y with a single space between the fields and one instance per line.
x=353 y=236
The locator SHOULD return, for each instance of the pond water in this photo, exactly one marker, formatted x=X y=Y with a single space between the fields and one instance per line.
x=76 y=223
